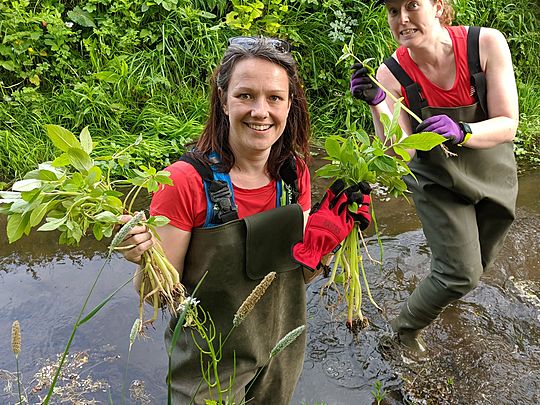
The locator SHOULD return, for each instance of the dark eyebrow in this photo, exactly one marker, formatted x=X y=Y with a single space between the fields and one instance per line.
x=271 y=91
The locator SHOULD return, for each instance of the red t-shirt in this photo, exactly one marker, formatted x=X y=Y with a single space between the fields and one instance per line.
x=184 y=203
x=461 y=93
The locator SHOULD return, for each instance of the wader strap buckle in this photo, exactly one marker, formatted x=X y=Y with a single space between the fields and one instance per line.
x=223 y=208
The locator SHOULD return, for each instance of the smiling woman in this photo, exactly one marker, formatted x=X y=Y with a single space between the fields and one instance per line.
x=257 y=103
x=236 y=211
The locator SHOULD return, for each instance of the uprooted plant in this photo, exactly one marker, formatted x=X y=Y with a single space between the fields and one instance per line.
x=355 y=158
x=75 y=193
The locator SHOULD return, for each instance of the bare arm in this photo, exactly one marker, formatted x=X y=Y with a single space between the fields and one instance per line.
x=502 y=98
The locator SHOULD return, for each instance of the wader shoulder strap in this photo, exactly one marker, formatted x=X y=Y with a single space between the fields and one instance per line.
x=478 y=78
x=221 y=207
x=287 y=193
x=412 y=89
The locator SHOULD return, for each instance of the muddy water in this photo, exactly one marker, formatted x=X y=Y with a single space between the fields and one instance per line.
x=484 y=349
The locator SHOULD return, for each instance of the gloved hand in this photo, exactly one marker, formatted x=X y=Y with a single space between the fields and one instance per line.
x=443 y=125
x=330 y=222
x=363 y=88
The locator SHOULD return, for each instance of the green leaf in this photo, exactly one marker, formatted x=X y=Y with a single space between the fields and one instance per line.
x=422 y=141
x=387 y=124
x=62 y=138
x=328 y=171
x=47 y=175
x=79 y=159
x=94 y=175
x=52 y=224
x=16 y=224
x=81 y=17
x=61 y=161
x=331 y=144
x=106 y=217
x=362 y=136
x=158 y=220
x=86 y=140
x=385 y=163
x=38 y=213
x=97 y=230
x=152 y=186
x=26 y=185
x=402 y=152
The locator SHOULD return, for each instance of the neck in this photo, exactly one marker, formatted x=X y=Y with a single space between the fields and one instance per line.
x=435 y=52
x=250 y=171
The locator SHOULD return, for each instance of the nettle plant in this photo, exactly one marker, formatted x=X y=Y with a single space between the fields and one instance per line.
x=355 y=157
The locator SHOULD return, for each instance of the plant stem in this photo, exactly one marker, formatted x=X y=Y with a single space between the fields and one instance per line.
x=75 y=327
x=125 y=376
x=18 y=379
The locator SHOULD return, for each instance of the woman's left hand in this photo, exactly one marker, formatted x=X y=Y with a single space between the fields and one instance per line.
x=443 y=125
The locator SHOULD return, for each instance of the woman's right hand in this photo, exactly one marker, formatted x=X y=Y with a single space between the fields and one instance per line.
x=139 y=237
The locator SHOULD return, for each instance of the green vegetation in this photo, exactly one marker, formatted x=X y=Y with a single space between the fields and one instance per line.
x=356 y=158
x=126 y=69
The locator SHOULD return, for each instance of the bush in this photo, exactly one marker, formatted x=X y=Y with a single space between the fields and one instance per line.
x=129 y=67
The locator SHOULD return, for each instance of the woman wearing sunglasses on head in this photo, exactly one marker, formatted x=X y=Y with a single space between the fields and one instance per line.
x=460 y=81
x=237 y=211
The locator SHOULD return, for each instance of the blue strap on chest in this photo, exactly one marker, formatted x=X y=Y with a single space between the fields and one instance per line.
x=221 y=207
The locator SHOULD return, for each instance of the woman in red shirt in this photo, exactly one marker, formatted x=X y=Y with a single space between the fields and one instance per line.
x=236 y=208
x=460 y=81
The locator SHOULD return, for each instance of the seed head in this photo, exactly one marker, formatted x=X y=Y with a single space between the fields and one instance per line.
x=124 y=230
x=287 y=340
x=249 y=303
x=135 y=330
x=16 y=338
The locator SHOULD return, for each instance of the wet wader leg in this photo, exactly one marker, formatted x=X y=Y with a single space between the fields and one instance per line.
x=451 y=230
x=273 y=385
x=494 y=220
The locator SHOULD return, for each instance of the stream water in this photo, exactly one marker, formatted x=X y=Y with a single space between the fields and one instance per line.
x=484 y=349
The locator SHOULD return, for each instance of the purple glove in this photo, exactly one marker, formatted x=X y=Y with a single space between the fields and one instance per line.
x=443 y=125
x=363 y=88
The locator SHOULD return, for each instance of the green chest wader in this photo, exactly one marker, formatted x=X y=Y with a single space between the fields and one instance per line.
x=466 y=204
x=237 y=255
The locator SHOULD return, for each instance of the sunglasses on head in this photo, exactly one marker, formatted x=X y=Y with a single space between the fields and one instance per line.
x=247 y=42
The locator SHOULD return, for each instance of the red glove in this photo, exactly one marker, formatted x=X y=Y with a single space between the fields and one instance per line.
x=359 y=193
x=330 y=222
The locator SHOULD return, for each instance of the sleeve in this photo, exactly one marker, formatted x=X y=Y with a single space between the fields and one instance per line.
x=304 y=185
x=184 y=203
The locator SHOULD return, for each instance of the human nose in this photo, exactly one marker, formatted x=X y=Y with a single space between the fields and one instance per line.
x=260 y=108
x=404 y=16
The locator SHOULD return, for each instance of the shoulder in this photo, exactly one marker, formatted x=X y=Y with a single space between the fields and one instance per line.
x=183 y=168
x=304 y=184
x=492 y=40
x=494 y=50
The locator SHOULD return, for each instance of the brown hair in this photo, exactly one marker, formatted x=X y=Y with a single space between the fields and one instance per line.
x=448 y=13
x=295 y=138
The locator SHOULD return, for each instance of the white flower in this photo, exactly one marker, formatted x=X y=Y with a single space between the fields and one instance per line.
x=189 y=302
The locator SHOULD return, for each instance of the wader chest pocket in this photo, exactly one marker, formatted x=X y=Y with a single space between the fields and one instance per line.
x=269 y=240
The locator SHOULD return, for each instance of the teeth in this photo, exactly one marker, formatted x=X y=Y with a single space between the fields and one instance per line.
x=259 y=127
x=407 y=32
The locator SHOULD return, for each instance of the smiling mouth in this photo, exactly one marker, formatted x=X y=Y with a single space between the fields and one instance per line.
x=408 y=31
x=259 y=127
